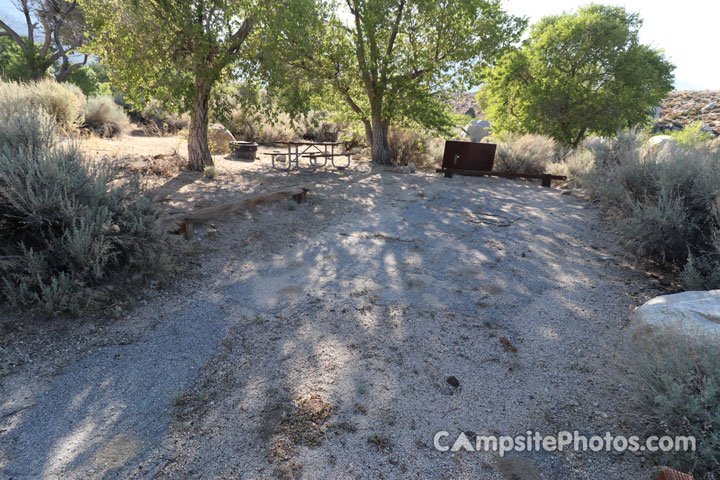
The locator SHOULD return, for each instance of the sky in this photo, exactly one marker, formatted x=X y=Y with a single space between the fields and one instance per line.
x=685 y=30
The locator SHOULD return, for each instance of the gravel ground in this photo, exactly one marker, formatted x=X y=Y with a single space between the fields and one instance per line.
x=318 y=340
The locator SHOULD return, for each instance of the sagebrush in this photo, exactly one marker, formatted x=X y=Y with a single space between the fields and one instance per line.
x=411 y=146
x=70 y=232
x=525 y=154
x=678 y=385
x=104 y=117
x=664 y=199
x=65 y=102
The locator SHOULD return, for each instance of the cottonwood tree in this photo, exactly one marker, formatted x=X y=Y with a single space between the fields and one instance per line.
x=176 y=51
x=54 y=30
x=578 y=73
x=387 y=61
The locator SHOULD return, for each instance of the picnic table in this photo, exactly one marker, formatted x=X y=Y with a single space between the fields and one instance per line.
x=289 y=158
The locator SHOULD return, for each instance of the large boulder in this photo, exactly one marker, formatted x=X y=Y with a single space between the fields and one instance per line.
x=690 y=316
x=478 y=129
x=219 y=138
x=660 y=140
x=708 y=107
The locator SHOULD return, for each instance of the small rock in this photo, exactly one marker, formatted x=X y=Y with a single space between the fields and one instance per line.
x=708 y=107
x=453 y=381
x=409 y=168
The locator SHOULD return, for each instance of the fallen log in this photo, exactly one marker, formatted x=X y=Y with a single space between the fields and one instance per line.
x=182 y=223
x=669 y=474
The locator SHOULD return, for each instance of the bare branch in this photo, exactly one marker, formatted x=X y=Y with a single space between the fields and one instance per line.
x=393 y=35
x=30 y=26
x=12 y=34
x=237 y=38
x=62 y=52
x=70 y=69
x=48 y=36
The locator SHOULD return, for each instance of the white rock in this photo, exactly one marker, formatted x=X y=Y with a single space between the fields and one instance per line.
x=694 y=316
x=219 y=138
x=660 y=139
x=409 y=168
x=708 y=107
x=478 y=129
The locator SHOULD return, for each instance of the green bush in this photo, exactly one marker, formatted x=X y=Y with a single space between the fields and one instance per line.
x=105 y=117
x=85 y=79
x=692 y=135
x=13 y=64
x=679 y=388
x=64 y=102
x=69 y=230
x=525 y=154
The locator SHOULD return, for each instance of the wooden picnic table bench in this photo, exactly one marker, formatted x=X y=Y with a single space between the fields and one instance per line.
x=310 y=150
x=332 y=156
x=545 y=178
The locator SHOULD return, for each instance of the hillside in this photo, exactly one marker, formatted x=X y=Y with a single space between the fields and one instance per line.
x=676 y=111
x=682 y=108
x=465 y=103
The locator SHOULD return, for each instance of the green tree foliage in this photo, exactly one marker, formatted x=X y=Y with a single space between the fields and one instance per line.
x=12 y=62
x=86 y=79
x=577 y=73
x=174 y=51
x=386 y=61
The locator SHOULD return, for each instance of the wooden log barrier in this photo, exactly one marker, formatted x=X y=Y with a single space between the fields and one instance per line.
x=182 y=223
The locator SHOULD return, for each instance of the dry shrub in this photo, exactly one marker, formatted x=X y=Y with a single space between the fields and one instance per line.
x=155 y=119
x=576 y=166
x=318 y=127
x=664 y=200
x=104 y=117
x=65 y=102
x=166 y=165
x=526 y=154
x=260 y=127
x=410 y=146
x=68 y=229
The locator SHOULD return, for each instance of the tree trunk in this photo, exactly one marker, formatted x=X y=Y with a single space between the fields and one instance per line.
x=198 y=151
x=368 y=132
x=579 y=138
x=378 y=140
